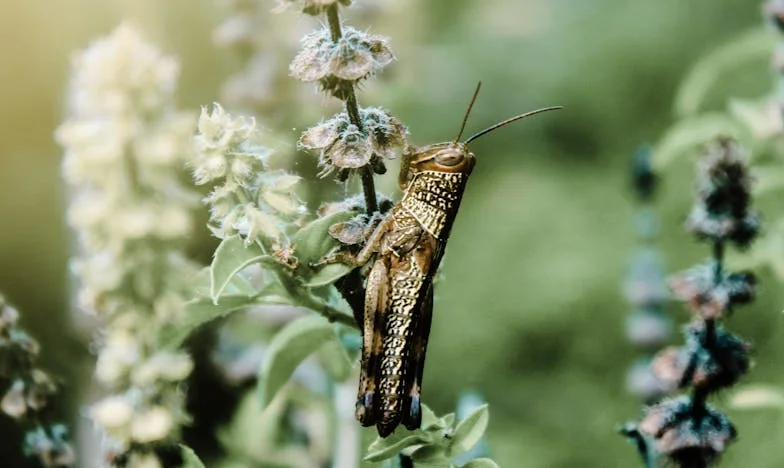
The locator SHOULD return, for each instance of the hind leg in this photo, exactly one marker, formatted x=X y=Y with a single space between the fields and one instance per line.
x=412 y=410
x=376 y=305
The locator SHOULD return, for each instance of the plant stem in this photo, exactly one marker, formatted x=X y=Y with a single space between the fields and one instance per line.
x=699 y=396
x=352 y=109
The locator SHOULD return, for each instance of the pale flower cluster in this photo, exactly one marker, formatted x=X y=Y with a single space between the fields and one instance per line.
x=125 y=148
x=247 y=198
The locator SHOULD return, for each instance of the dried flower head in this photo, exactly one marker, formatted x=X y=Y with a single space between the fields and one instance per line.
x=718 y=365
x=687 y=435
x=709 y=296
x=343 y=145
x=723 y=196
x=337 y=65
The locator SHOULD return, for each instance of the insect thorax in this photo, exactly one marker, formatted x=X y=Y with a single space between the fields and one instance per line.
x=432 y=198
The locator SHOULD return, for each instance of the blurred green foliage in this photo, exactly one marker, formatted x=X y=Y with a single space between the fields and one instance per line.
x=530 y=313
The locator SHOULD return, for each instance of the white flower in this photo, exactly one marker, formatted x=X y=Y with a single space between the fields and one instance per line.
x=163 y=366
x=120 y=353
x=114 y=413
x=122 y=73
x=152 y=425
x=13 y=403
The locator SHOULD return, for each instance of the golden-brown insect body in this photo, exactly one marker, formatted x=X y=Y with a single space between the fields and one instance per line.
x=408 y=245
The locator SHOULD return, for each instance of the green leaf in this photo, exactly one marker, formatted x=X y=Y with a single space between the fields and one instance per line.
x=756 y=44
x=274 y=293
x=446 y=421
x=251 y=433
x=431 y=455
x=202 y=284
x=470 y=430
x=313 y=242
x=481 y=463
x=688 y=134
x=381 y=449
x=231 y=257
x=288 y=348
x=189 y=458
x=197 y=313
x=328 y=274
x=336 y=360
x=429 y=418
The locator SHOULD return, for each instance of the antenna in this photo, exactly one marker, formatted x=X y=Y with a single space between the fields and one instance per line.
x=507 y=122
x=468 y=111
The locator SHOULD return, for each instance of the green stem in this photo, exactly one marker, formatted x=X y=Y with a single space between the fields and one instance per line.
x=329 y=312
x=352 y=109
x=699 y=396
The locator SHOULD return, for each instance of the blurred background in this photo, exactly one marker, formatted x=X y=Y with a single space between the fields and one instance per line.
x=531 y=313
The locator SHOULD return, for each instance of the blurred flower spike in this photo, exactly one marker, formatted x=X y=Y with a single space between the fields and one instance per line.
x=31 y=393
x=686 y=430
x=125 y=148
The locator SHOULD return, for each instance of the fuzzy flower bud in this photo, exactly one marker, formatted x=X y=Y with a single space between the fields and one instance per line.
x=723 y=196
x=247 y=198
x=113 y=413
x=707 y=368
x=685 y=436
x=337 y=65
x=711 y=297
x=343 y=145
x=153 y=425
x=13 y=403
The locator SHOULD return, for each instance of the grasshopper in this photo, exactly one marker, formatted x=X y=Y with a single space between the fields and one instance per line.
x=408 y=245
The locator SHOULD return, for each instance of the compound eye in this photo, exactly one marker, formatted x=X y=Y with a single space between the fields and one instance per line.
x=451 y=158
